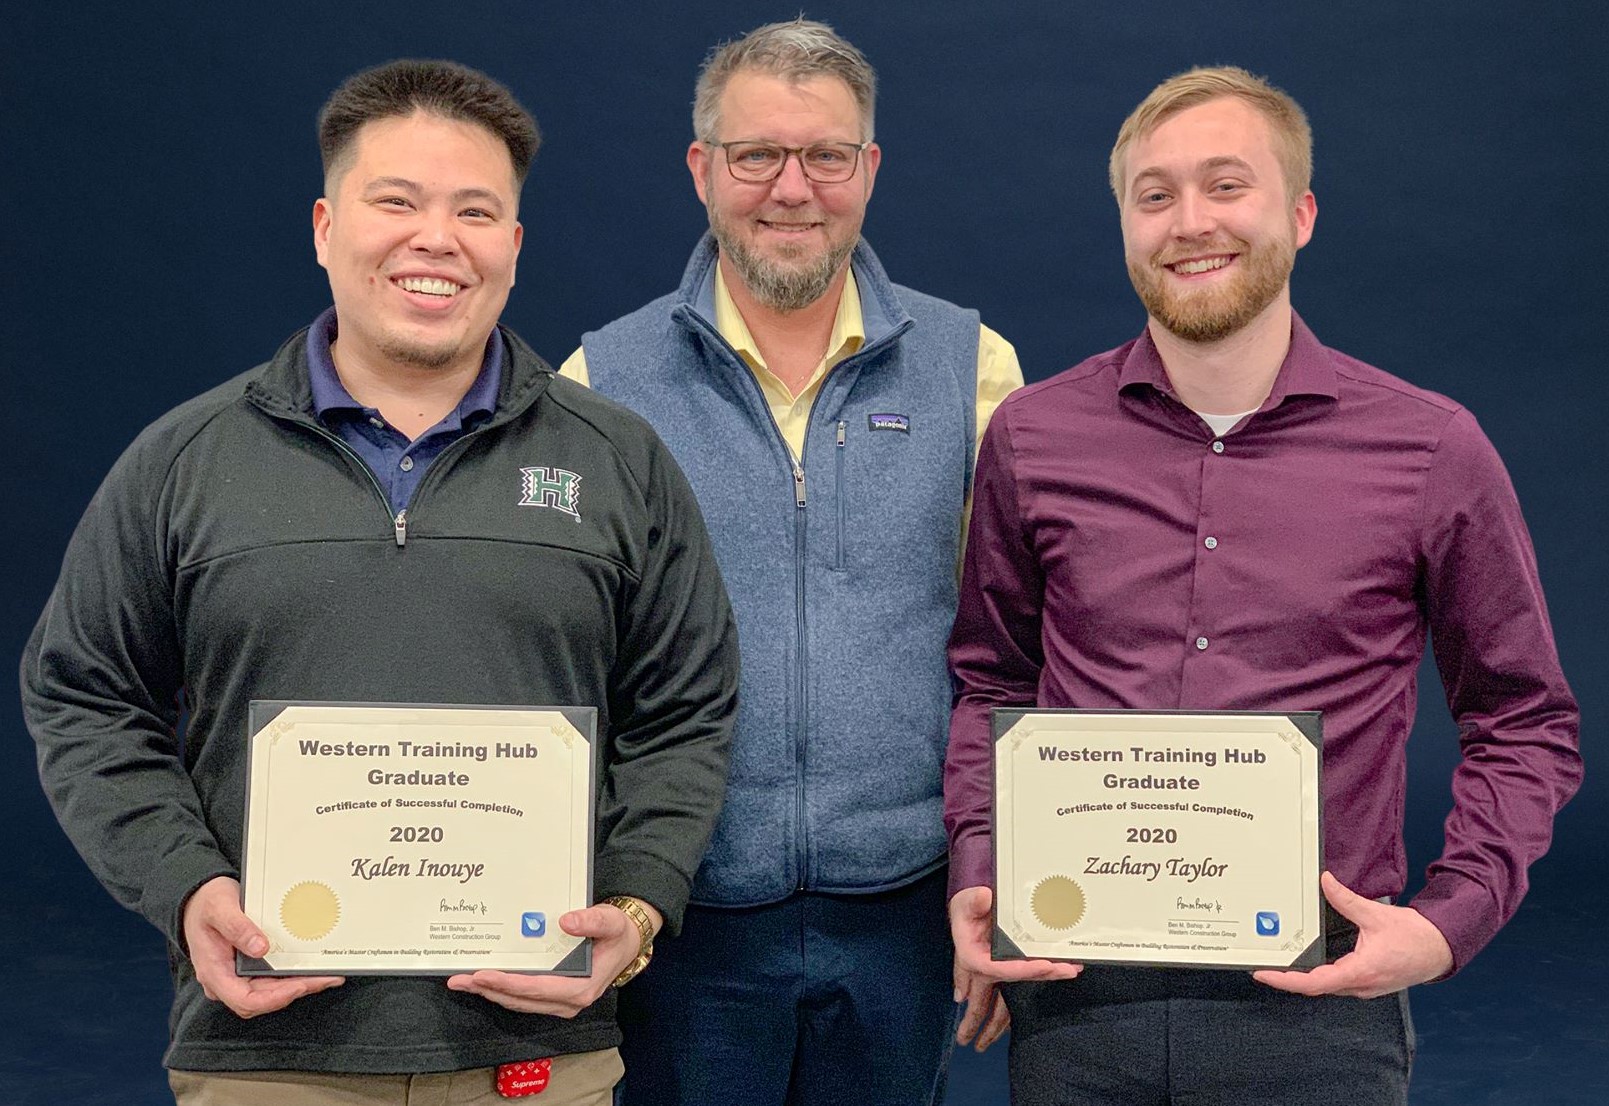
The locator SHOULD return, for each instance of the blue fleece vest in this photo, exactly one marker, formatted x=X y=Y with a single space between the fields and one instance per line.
x=842 y=574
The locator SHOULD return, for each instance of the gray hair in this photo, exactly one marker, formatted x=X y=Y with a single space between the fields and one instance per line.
x=795 y=51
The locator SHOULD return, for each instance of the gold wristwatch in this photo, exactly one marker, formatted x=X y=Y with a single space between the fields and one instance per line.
x=632 y=909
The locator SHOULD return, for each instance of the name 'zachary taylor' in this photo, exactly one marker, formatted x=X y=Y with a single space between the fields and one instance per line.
x=1177 y=867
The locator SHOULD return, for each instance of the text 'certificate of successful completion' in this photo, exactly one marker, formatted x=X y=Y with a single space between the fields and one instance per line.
x=417 y=840
x=1166 y=838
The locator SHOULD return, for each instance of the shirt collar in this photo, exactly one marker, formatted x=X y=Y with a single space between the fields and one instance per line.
x=1308 y=368
x=330 y=395
x=848 y=325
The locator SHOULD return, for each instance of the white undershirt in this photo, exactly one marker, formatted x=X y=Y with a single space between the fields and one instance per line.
x=1221 y=423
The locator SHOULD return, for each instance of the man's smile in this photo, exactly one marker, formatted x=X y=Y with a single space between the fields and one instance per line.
x=1193 y=266
x=788 y=227
x=430 y=286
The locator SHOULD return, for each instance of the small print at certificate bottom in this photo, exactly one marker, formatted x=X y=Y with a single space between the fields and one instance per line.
x=1168 y=838
x=395 y=839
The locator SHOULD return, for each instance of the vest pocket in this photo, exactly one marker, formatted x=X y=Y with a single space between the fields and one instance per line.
x=843 y=510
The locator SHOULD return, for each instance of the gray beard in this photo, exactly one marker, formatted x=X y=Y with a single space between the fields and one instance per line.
x=782 y=287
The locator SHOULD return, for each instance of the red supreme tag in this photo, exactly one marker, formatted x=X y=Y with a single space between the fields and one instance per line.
x=526 y=1077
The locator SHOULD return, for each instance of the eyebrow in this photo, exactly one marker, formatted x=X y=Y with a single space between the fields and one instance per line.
x=1223 y=161
x=462 y=195
x=779 y=142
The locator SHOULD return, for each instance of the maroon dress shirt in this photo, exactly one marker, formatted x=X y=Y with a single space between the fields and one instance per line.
x=1123 y=556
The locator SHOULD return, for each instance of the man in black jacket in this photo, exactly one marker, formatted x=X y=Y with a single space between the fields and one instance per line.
x=404 y=505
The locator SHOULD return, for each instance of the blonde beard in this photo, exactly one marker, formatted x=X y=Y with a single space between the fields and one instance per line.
x=1214 y=315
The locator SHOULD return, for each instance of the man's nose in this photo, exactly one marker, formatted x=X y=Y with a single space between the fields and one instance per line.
x=1193 y=216
x=435 y=232
x=791 y=186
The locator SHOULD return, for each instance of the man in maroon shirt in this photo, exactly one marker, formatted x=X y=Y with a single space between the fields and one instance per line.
x=1226 y=514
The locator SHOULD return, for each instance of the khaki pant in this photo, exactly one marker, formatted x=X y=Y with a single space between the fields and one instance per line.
x=581 y=1079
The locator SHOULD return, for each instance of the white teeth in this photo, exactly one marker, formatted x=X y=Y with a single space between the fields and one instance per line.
x=1202 y=266
x=430 y=286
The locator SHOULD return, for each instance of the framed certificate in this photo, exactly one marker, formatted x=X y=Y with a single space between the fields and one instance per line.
x=393 y=839
x=1167 y=838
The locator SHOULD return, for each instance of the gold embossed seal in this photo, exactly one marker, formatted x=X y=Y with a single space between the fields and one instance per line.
x=1058 y=902
x=309 y=910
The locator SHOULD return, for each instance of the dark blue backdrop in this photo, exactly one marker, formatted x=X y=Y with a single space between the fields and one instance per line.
x=159 y=174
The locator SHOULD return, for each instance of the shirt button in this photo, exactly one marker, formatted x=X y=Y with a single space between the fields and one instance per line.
x=407 y=464
x=378 y=424
x=1211 y=543
x=1201 y=643
x=1217 y=447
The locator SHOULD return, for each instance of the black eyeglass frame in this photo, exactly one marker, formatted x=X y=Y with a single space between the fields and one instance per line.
x=794 y=152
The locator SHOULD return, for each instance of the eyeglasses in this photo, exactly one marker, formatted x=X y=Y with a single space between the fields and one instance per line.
x=823 y=163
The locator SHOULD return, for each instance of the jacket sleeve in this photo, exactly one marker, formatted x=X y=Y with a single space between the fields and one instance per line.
x=995 y=652
x=101 y=676
x=1518 y=724
x=672 y=706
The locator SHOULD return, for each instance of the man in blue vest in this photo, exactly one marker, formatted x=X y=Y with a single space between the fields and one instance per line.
x=826 y=419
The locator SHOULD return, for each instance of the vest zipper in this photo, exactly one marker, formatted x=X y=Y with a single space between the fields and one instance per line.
x=838 y=457
x=802 y=727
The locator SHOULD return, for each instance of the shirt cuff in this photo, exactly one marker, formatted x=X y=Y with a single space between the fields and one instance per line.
x=1464 y=912
x=971 y=863
x=172 y=882
x=646 y=877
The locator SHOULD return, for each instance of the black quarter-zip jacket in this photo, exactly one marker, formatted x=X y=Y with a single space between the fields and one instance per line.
x=238 y=551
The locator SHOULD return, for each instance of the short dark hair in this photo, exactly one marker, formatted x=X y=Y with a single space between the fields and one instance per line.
x=444 y=88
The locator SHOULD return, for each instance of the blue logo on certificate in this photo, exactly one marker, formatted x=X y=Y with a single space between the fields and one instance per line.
x=1267 y=923
x=533 y=923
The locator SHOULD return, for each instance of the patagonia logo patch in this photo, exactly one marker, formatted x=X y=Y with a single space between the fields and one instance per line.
x=889 y=422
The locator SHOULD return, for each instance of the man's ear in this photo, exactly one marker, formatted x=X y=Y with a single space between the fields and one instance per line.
x=1305 y=215
x=321 y=230
x=872 y=156
x=700 y=158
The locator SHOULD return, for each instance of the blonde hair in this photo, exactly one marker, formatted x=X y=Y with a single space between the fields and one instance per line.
x=1293 y=137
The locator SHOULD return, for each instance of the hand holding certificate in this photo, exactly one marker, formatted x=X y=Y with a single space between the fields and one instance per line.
x=1158 y=838
x=418 y=840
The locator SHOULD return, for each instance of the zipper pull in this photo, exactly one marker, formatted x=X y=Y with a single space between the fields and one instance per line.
x=401 y=524
x=798 y=485
x=842 y=426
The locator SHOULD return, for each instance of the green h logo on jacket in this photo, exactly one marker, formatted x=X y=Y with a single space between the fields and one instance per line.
x=556 y=488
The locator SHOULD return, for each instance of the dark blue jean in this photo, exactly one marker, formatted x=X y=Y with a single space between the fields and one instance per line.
x=817 y=999
x=1171 y=1037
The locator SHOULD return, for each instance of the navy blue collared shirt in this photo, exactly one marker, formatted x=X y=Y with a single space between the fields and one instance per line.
x=397 y=463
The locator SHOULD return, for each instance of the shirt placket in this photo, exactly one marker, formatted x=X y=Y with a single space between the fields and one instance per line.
x=1200 y=685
